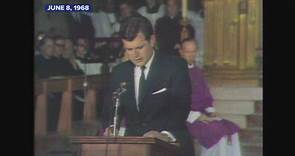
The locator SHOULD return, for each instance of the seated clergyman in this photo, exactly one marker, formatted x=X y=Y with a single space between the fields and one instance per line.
x=217 y=136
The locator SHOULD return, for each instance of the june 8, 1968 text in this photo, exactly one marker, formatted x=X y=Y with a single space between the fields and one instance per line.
x=68 y=8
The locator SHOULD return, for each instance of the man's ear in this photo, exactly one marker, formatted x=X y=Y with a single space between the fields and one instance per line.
x=153 y=40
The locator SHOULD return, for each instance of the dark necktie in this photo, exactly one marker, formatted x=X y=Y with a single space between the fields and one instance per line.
x=142 y=86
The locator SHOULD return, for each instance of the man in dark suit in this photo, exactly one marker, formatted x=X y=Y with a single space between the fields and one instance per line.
x=157 y=100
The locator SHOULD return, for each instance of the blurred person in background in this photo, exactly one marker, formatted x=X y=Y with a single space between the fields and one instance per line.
x=84 y=57
x=168 y=28
x=62 y=66
x=152 y=10
x=102 y=19
x=197 y=21
x=117 y=51
x=126 y=9
x=82 y=49
x=110 y=9
x=200 y=35
x=80 y=24
x=69 y=55
x=43 y=61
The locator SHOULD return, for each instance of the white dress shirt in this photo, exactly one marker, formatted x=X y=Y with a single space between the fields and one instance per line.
x=137 y=74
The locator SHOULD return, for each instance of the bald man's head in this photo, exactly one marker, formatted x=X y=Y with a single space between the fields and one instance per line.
x=188 y=50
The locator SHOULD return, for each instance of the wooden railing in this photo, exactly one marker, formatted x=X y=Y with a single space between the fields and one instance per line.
x=66 y=86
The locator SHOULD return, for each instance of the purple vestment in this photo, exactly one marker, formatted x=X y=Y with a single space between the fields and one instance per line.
x=208 y=134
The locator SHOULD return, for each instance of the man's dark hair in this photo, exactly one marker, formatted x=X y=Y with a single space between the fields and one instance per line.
x=132 y=25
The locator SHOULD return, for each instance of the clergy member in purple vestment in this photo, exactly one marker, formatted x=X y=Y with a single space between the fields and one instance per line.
x=217 y=136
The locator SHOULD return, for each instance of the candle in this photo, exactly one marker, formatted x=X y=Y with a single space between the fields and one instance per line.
x=184 y=8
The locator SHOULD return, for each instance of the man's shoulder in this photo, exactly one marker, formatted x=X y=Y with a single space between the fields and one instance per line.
x=172 y=61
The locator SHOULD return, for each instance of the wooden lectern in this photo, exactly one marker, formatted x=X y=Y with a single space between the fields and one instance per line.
x=123 y=146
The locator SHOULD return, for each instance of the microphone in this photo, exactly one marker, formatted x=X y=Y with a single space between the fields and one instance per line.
x=121 y=89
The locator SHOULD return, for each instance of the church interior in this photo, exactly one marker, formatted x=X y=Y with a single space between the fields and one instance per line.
x=229 y=34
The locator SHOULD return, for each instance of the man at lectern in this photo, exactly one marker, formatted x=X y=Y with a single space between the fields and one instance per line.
x=157 y=99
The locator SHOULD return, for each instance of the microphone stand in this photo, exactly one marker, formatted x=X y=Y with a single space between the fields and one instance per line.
x=116 y=116
x=117 y=95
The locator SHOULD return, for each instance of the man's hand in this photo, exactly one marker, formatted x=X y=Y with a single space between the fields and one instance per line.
x=110 y=131
x=156 y=134
x=214 y=114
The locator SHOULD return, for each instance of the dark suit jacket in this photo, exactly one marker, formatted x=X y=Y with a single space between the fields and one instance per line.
x=167 y=110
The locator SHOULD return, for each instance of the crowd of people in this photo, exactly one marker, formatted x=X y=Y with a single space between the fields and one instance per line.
x=167 y=96
x=104 y=22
